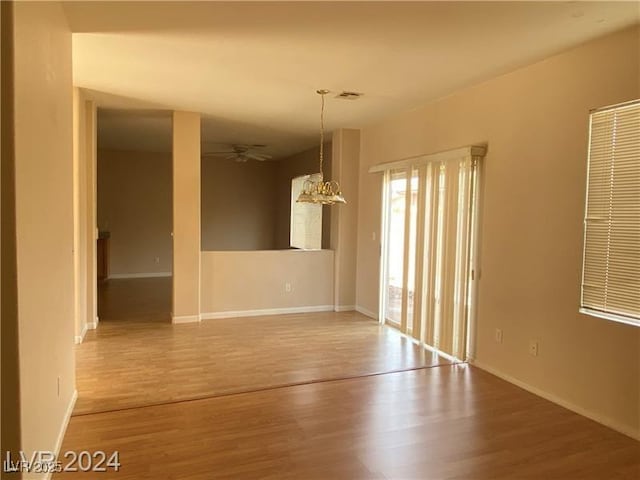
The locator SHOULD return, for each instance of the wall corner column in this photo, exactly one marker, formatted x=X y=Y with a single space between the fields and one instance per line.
x=345 y=161
x=186 y=217
x=90 y=190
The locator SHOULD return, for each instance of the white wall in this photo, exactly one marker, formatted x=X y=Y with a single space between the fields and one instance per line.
x=247 y=282
x=535 y=122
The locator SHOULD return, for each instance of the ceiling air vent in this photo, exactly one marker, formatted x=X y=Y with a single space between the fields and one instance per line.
x=349 y=95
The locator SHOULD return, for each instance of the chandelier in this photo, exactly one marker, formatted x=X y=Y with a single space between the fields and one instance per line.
x=315 y=189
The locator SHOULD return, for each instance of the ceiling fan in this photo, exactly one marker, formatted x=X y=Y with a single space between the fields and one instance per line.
x=240 y=153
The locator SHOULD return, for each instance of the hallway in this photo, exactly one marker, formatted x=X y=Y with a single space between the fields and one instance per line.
x=135 y=299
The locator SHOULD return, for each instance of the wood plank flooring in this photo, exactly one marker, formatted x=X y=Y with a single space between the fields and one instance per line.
x=125 y=300
x=133 y=360
x=448 y=422
x=436 y=421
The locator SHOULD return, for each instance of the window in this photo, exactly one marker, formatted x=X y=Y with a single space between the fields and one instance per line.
x=306 y=219
x=611 y=257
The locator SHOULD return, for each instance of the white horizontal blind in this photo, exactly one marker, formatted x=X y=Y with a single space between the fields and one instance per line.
x=611 y=264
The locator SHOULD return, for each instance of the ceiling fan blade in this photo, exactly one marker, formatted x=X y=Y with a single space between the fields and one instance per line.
x=239 y=152
x=259 y=157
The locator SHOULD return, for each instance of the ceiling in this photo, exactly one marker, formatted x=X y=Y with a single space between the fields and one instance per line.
x=252 y=68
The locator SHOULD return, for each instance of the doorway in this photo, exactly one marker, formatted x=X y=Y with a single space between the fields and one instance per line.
x=134 y=215
x=429 y=223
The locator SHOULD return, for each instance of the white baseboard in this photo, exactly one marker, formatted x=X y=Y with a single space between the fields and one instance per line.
x=116 y=276
x=63 y=427
x=366 y=312
x=266 y=311
x=80 y=338
x=345 y=308
x=185 y=319
x=607 y=422
x=93 y=325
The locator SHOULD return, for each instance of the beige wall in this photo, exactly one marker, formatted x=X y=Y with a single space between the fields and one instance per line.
x=10 y=385
x=82 y=228
x=344 y=220
x=302 y=163
x=249 y=281
x=134 y=205
x=44 y=220
x=535 y=122
x=258 y=218
x=186 y=217
x=238 y=204
x=89 y=210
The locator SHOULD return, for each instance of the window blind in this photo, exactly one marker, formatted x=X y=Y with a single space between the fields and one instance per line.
x=428 y=222
x=611 y=261
x=446 y=267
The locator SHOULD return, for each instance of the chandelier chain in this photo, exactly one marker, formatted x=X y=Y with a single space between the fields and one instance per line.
x=316 y=190
x=322 y=94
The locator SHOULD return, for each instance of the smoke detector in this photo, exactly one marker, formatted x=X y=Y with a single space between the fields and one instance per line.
x=349 y=95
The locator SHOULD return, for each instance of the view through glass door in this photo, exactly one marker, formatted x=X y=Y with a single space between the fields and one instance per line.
x=400 y=211
x=429 y=211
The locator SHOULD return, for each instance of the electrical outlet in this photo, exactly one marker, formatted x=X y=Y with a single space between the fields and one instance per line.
x=157 y=259
x=287 y=287
x=498 y=335
x=533 y=348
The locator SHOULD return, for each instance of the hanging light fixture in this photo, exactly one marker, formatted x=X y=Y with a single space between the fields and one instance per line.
x=315 y=189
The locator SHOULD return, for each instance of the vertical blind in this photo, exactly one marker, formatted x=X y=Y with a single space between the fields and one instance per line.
x=441 y=192
x=440 y=319
x=611 y=261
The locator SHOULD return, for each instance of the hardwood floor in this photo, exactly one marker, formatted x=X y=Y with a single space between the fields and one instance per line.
x=133 y=360
x=431 y=422
x=449 y=422
x=135 y=299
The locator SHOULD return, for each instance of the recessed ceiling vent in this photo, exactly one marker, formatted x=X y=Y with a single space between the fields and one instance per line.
x=349 y=95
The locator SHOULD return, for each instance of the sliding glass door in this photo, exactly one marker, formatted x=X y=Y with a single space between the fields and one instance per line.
x=429 y=211
x=400 y=208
